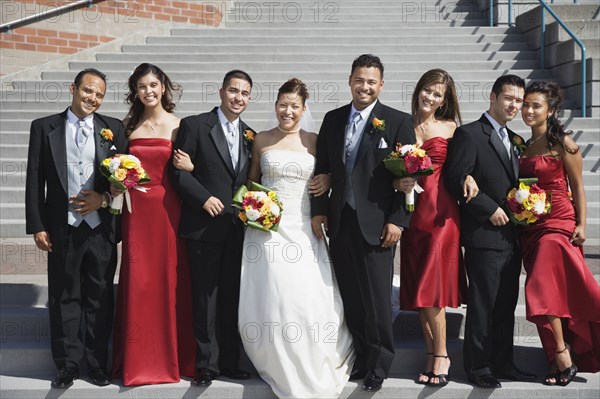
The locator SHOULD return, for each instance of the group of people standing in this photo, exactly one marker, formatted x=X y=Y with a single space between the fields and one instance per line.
x=311 y=315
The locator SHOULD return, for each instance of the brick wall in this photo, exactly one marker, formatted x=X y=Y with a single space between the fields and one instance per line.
x=84 y=28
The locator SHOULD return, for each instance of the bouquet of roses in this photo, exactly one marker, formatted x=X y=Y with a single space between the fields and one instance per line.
x=260 y=207
x=409 y=160
x=528 y=203
x=124 y=171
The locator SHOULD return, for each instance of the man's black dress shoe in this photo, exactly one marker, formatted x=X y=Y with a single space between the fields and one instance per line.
x=357 y=375
x=99 y=377
x=235 y=374
x=204 y=377
x=515 y=375
x=485 y=381
x=65 y=377
x=372 y=382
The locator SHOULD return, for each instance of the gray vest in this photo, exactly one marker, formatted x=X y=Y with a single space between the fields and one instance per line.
x=350 y=162
x=80 y=174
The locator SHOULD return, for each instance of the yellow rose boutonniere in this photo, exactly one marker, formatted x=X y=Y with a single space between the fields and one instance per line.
x=249 y=136
x=519 y=144
x=106 y=135
x=378 y=124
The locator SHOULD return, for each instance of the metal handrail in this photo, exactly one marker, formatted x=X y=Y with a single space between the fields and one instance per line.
x=7 y=26
x=546 y=7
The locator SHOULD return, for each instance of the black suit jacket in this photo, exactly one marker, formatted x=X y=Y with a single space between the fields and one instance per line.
x=377 y=203
x=46 y=195
x=202 y=137
x=477 y=150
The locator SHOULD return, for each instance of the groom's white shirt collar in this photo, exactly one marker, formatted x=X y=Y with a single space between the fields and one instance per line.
x=223 y=120
x=363 y=113
x=494 y=123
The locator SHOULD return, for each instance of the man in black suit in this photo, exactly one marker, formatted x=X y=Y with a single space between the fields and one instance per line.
x=219 y=148
x=66 y=209
x=363 y=215
x=483 y=149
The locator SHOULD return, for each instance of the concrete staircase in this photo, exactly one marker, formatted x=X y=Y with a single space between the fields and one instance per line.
x=315 y=41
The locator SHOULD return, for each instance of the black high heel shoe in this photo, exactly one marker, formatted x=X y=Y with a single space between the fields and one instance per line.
x=443 y=379
x=564 y=377
x=424 y=373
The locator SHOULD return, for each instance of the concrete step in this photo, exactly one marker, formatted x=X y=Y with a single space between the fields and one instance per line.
x=12 y=211
x=325 y=49
x=142 y=53
x=175 y=65
x=330 y=39
x=37 y=386
x=307 y=23
x=335 y=30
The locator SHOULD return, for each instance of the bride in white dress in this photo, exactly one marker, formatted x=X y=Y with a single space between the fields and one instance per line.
x=291 y=316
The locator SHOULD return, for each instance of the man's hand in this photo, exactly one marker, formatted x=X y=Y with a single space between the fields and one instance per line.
x=390 y=235
x=87 y=201
x=499 y=218
x=42 y=240
x=316 y=223
x=213 y=206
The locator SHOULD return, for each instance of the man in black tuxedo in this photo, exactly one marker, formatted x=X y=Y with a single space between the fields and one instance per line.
x=483 y=149
x=219 y=148
x=363 y=215
x=66 y=209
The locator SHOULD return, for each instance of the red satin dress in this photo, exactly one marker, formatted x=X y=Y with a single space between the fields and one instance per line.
x=558 y=281
x=431 y=269
x=154 y=339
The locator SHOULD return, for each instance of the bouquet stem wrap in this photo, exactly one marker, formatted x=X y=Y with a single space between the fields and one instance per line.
x=409 y=161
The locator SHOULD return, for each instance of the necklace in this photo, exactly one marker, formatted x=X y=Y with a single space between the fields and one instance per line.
x=287 y=131
x=536 y=139
x=422 y=129
x=156 y=124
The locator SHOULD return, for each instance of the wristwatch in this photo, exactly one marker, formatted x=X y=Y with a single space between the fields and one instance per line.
x=104 y=203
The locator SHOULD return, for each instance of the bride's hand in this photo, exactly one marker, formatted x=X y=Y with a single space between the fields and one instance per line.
x=470 y=189
x=319 y=185
x=182 y=161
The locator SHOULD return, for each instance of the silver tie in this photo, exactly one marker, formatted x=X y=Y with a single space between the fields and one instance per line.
x=505 y=140
x=82 y=134
x=231 y=142
x=351 y=132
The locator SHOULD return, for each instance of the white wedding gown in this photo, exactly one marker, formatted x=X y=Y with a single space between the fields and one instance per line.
x=291 y=314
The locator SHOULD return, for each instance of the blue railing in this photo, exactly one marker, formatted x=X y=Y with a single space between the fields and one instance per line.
x=546 y=7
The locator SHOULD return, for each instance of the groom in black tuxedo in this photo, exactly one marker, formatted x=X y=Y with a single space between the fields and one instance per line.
x=66 y=202
x=219 y=148
x=363 y=215
x=483 y=149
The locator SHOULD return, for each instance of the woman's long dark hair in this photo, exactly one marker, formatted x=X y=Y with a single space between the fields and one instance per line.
x=555 y=131
x=137 y=107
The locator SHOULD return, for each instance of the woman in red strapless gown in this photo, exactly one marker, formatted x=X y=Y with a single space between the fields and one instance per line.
x=562 y=295
x=154 y=340
x=432 y=275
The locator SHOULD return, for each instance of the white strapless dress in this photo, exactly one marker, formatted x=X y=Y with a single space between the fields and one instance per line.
x=291 y=315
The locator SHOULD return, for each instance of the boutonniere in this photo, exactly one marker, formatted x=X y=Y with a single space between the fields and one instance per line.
x=519 y=143
x=378 y=124
x=106 y=135
x=249 y=136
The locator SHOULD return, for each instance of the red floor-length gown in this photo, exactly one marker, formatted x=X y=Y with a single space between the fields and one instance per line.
x=154 y=340
x=558 y=281
x=431 y=267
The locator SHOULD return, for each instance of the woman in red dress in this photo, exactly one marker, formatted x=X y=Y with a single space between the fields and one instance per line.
x=561 y=293
x=154 y=339
x=431 y=269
